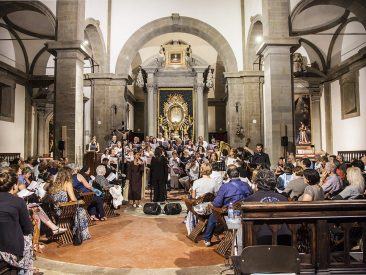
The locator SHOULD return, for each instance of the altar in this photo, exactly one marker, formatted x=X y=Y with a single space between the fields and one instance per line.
x=176 y=85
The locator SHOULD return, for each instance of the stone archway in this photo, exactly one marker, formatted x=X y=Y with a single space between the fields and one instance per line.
x=95 y=37
x=256 y=29
x=175 y=23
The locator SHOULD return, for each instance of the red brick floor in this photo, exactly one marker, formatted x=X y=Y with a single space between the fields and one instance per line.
x=134 y=240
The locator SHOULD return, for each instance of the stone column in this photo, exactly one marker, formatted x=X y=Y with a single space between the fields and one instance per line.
x=109 y=105
x=316 y=138
x=328 y=118
x=151 y=104
x=277 y=91
x=70 y=53
x=199 y=90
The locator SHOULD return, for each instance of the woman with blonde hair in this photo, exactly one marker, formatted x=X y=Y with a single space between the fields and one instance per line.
x=356 y=185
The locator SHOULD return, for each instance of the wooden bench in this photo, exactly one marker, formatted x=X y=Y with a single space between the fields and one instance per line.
x=325 y=233
x=108 y=205
x=87 y=197
x=202 y=219
x=6 y=269
x=66 y=220
x=225 y=245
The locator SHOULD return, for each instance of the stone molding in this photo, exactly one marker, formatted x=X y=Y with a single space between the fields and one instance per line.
x=269 y=42
x=54 y=46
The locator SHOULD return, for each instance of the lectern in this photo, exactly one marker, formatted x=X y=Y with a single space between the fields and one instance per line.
x=92 y=159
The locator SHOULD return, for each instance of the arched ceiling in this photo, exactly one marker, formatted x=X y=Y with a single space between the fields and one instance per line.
x=31 y=24
x=322 y=25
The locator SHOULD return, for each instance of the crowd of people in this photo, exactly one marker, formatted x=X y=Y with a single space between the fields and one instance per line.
x=196 y=168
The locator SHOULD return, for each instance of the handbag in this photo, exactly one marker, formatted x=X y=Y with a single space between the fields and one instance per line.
x=77 y=238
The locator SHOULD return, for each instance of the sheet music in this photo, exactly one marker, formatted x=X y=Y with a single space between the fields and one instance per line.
x=33 y=185
x=24 y=193
x=111 y=176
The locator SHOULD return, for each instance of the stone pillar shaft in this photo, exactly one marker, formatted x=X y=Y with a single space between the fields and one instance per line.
x=151 y=108
x=69 y=78
x=315 y=120
x=200 y=119
x=328 y=118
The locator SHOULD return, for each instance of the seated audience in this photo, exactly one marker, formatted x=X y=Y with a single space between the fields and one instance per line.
x=313 y=191
x=15 y=225
x=285 y=178
x=205 y=184
x=100 y=182
x=280 y=167
x=233 y=191
x=266 y=184
x=95 y=209
x=330 y=182
x=61 y=190
x=356 y=185
x=296 y=186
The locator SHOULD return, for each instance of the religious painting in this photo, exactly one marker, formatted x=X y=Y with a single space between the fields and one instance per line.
x=302 y=120
x=350 y=102
x=175 y=112
x=175 y=58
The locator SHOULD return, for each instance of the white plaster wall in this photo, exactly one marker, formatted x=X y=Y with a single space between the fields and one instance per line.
x=12 y=133
x=349 y=134
x=7 y=53
x=51 y=4
x=129 y=16
x=98 y=9
x=351 y=44
x=251 y=8
x=322 y=121
x=293 y=4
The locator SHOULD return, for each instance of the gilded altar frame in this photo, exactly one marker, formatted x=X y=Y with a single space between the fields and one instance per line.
x=168 y=108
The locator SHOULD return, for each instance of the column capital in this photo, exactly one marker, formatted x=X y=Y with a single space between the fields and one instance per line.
x=276 y=45
x=315 y=95
x=56 y=46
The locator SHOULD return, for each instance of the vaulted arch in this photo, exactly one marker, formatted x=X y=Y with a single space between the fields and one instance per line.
x=175 y=24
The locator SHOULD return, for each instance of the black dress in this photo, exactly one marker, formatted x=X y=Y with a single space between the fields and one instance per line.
x=159 y=178
x=135 y=177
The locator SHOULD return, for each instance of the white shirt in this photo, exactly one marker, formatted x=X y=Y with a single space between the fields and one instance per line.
x=203 y=186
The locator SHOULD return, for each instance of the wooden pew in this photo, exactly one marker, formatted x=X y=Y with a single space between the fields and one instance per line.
x=326 y=233
x=108 y=205
x=202 y=219
x=87 y=198
x=225 y=245
x=66 y=220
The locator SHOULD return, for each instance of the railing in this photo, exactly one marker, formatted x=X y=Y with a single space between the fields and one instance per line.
x=349 y=156
x=329 y=235
x=9 y=156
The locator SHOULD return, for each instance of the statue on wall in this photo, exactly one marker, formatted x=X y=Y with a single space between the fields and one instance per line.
x=298 y=63
x=140 y=82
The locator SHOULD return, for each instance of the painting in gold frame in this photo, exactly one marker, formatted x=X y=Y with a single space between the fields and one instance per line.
x=175 y=58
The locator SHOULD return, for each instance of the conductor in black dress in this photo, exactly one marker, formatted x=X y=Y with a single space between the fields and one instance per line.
x=159 y=175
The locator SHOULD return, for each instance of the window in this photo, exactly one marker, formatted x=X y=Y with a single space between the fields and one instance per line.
x=7 y=96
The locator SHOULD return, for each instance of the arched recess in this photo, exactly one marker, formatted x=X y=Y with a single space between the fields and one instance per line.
x=314 y=53
x=95 y=37
x=7 y=7
x=336 y=44
x=175 y=24
x=21 y=44
x=357 y=7
x=254 y=34
x=39 y=63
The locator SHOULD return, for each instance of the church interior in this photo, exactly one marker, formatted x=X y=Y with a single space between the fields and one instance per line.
x=79 y=76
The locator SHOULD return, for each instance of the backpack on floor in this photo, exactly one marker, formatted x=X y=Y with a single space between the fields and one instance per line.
x=172 y=209
x=152 y=208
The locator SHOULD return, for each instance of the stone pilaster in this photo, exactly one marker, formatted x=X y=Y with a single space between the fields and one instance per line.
x=70 y=54
x=109 y=105
x=151 y=102
x=316 y=137
x=328 y=118
x=277 y=91
x=200 y=107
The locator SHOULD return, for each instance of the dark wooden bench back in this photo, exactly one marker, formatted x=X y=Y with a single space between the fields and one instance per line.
x=325 y=233
x=267 y=259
